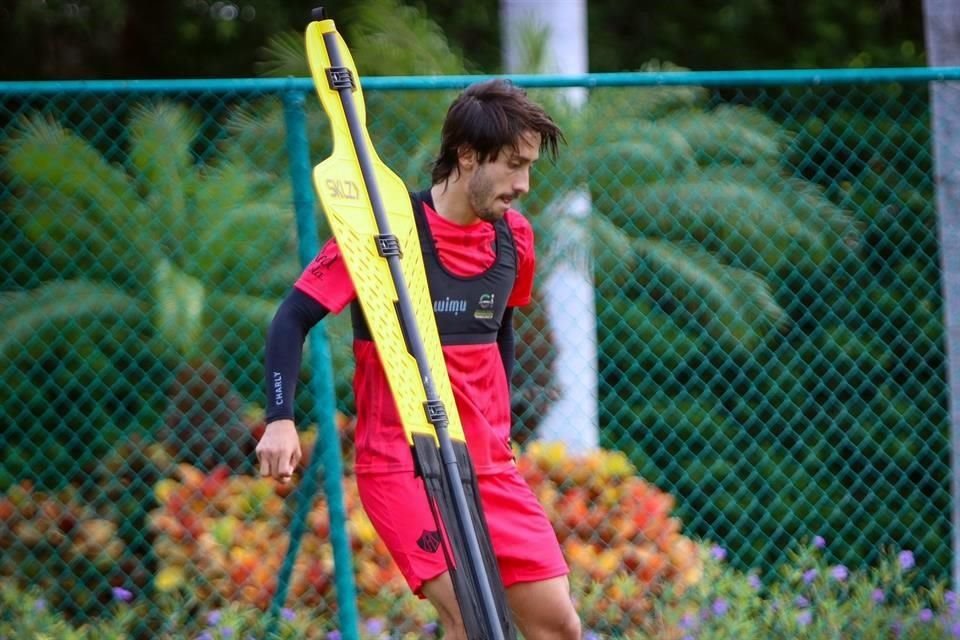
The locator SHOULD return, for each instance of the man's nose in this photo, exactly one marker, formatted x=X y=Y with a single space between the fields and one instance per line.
x=522 y=183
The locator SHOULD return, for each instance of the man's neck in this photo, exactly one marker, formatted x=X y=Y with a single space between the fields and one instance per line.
x=450 y=202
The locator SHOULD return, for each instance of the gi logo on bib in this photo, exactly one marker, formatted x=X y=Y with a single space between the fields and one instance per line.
x=485 y=307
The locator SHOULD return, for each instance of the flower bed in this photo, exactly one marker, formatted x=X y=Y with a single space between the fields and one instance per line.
x=220 y=538
x=226 y=535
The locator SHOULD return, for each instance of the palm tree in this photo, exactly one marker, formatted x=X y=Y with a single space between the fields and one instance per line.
x=696 y=231
x=159 y=237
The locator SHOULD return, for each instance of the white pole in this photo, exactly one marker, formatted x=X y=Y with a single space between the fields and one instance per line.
x=570 y=303
x=568 y=289
x=565 y=24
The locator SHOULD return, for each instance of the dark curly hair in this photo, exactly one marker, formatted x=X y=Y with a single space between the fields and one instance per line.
x=487 y=117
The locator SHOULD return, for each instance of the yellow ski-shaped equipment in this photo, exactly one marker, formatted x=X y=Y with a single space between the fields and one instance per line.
x=346 y=202
x=371 y=216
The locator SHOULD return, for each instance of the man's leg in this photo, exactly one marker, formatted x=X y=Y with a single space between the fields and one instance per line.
x=543 y=611
x=439 y=592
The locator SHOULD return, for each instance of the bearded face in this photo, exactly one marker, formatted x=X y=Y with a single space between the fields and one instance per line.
x=494 y=185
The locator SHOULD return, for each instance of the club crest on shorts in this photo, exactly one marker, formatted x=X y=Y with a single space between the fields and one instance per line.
x=429 y=541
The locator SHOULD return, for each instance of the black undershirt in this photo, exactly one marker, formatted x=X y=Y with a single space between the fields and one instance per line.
x=295 y=316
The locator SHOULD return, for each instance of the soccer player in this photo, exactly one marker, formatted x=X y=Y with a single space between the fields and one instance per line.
x=478 y=254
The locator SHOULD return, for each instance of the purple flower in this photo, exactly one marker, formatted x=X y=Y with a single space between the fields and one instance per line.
x=688 y=621
x=801 y=602
x=213 y=618
x=121 y=594
x=590 y=635
x=805 y=617
x=374 y=626
x=334 y=635
x=719 y=607
x=906 y=559
x=754 y=581
x=839 y=573
x=205 y=636
x=288 y=614
x=40 y=605
x=431 y=628
x=925 y=615
x=950 y=597
x=819 y=542
x=718 y=553
x=878 y=596
x=809 y=576
x=227 y=632
x=955 y=630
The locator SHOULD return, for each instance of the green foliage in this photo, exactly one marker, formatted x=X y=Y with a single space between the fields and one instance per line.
x=178 y=245
x=78 y=368
x=748 y=35
x=810 y=599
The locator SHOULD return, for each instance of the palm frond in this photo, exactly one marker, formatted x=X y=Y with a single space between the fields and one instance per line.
x=76 y=243
x=388 y=38
x=232 y=248
x=729 y=135
x=69 y=191
x=42 y=153
x=178 y=310
x=229 y=185
x=644 y=154
x=22 y=313
x=161 y=137
x=732 y=305
x=285 y=54
x=745 y=225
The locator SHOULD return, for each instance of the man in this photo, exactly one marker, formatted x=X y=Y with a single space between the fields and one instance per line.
x=479 y=258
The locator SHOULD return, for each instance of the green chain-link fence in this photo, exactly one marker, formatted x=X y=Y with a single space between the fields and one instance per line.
x=765 y=304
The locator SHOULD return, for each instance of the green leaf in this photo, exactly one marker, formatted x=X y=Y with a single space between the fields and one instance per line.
x=178 y=314
x=161 y=136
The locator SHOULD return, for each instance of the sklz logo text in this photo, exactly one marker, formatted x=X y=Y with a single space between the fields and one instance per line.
x=343 y=189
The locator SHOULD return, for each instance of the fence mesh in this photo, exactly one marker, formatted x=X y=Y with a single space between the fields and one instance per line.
x=764 y=304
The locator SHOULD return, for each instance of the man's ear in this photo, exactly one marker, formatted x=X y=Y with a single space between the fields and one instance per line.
x=466 y=157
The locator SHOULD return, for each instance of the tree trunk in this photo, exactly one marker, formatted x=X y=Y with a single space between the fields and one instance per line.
x=942 y=26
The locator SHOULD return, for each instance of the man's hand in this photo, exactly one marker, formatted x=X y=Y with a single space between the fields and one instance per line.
x=279 y=450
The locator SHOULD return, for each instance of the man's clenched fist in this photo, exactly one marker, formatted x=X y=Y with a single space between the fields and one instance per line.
x=279 y=450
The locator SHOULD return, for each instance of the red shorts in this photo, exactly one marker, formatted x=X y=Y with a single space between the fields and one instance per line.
x=523 y=539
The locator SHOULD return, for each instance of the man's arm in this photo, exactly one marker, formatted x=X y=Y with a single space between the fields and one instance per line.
x=279 y=448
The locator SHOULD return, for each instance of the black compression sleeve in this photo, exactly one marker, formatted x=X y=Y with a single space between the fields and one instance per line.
x=294 y=318
x=505 y=341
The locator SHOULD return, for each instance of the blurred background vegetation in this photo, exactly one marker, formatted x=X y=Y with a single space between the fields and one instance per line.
x=779 y=378
x=58 y=39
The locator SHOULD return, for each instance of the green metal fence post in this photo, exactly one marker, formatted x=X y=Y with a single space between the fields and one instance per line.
x=322 y=386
